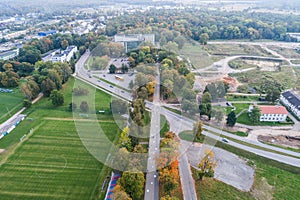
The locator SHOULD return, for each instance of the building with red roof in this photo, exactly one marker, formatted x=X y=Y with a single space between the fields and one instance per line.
x=272 y=113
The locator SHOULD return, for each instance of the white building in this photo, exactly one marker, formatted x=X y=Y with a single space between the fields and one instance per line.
x=272 y=113
x=9 y=54
x=292 y=102
x=132 y=41
x=66 y=55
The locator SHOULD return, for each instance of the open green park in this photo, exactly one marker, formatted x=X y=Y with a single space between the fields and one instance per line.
x=10 y=103
x=50 y=162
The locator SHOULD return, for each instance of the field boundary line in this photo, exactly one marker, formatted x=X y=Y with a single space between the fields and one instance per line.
x=14 y=148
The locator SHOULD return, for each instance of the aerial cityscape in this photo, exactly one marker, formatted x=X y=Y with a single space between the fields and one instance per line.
x=150 y=100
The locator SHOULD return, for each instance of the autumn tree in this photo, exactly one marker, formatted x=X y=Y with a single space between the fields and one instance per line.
x=207 y=165
x=124 y=140
x=168 y=197
x=197 y=130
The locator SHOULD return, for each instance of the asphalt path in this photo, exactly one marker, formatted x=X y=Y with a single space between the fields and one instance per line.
x=152 y=184
x=183 y=123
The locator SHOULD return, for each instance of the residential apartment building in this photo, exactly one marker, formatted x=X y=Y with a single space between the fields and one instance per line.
x=65 y=55
x=9 y=54
x=292 y=102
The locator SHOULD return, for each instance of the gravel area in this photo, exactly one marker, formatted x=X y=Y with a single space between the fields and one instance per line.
x=230 y=169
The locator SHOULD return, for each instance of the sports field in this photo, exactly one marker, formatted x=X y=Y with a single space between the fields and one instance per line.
x=10 y=103
x=51 y=162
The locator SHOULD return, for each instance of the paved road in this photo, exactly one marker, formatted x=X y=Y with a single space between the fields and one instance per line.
x=180 y=123
x=152 y=185
x=186 y=178
x=183 y=123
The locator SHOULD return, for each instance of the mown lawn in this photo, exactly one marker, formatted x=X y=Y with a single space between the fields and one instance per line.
x=52 y=162
x=10 y=103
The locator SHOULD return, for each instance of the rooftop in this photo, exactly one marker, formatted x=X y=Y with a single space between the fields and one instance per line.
x=273 y=110
x=292 y=98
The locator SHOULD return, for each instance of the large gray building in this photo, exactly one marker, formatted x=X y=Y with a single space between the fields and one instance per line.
x=132 y=41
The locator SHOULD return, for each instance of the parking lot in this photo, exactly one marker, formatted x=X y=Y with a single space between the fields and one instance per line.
x=123 y=83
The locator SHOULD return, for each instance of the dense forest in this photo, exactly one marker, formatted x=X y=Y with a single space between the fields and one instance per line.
x=193 y=23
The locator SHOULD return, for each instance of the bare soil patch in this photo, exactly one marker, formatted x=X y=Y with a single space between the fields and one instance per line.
x=283 y=140
x=2 y=150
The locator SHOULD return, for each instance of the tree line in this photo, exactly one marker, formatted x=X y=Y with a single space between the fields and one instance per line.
x=207 y=24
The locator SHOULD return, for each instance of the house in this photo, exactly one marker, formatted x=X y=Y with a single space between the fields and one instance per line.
x=272 y=113
x=291 y=102
x=132 y=41
x=65 y=55
x=9 y=54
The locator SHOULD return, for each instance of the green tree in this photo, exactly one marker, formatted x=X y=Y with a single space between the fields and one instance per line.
x=133 y=184
x=27 y=103
x=84 y=106
x=273 y=95
x=47 y=86
x=57 y=98
x=231 y=119
x=82 y=50
x=112 y=69
x=64 y=44
x=204 y=37
x=206 y=98
x=254 y=115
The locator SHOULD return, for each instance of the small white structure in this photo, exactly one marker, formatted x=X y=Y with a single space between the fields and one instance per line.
x=272 y=113
x=65 y=55
x=292 y=102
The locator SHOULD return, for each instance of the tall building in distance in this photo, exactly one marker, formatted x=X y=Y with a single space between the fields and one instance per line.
x=132 y=41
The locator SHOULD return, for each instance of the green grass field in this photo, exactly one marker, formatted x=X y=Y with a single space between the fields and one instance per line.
x=52 y=162
x=255 y=78
x=97 y=63
x=241 y=98
x=235 y=49
x=10 y=103
x=198 y=57
x=288 y=53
